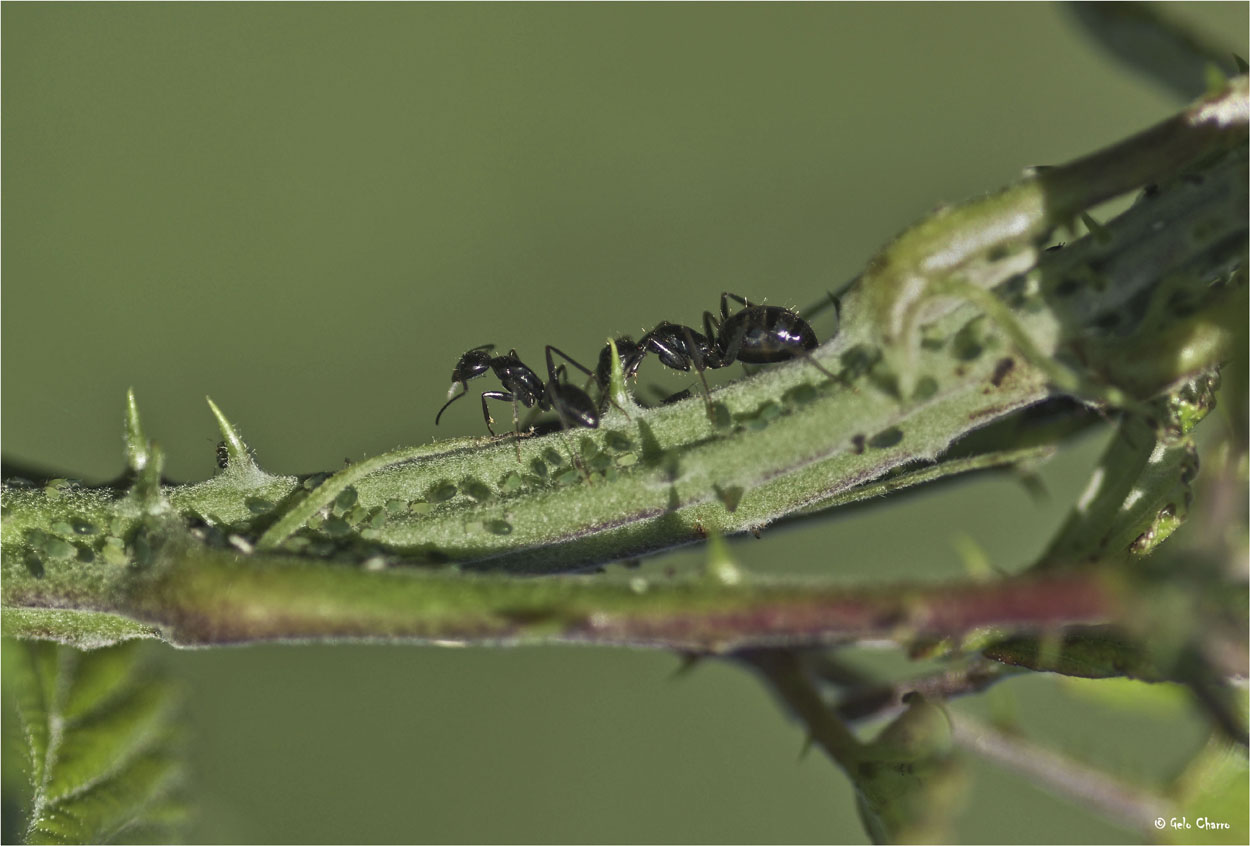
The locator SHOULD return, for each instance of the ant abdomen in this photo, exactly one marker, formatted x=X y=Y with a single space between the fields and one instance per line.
x=766 y=335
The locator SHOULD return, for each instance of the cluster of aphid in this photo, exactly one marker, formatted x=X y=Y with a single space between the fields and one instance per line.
x=755 y=334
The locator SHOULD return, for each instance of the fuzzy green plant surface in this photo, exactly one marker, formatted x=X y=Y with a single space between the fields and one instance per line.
x=972 y=341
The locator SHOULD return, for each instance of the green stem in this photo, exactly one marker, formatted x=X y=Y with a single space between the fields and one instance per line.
x=203 y=598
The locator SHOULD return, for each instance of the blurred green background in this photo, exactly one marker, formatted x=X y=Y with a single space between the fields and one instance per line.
x=309 y=211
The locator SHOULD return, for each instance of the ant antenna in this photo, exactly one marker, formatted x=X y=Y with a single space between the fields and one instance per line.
x=450 y=401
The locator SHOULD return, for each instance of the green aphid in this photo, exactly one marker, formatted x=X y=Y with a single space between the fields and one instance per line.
x=888 y=438
x=56 y=547
x=258 y=505
x=858 y=360
x=34 y=566
x=801 y=394
x=969 y=342
x=767 y=413
x=336 y=527
x=55 y=487
x=442 y=492
x=511 y=483
x=475 y=490
x=82 y=527
x=114 y=551
x=926 y=387
x=567 y=477
x=345 y=500
x=498 y=527
x=618 y=441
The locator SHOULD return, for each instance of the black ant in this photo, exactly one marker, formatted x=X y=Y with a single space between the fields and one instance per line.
x=523 y=387
x=755 y=334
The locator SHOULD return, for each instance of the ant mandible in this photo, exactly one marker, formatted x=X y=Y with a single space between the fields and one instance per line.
x=523 y=387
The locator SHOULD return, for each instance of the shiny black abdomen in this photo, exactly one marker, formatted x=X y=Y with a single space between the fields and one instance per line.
x=768 y=334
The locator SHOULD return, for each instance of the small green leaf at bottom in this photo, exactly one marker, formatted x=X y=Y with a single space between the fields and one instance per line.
x=103 y=746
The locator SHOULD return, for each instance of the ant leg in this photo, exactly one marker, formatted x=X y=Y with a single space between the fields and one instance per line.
x=450 y=401
x=810 y=359
x=727 y=355
x=555 y=376
x=711 y=328
x=731 y=346
x=696 y=355
x=830 y=299
x=551 y=372
x=724 y=304
x=715 y=342
x=573 y=457
x=516 y=428
x=496 y=395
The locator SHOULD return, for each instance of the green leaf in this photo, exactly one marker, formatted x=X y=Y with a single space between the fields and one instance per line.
x=81 y=629
x=1090 y=652
x=1140 y=491
x=103 y=749
x=1211 y=793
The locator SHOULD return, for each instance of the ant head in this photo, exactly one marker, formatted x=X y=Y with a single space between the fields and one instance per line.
x=473 y=363
x=631 y=355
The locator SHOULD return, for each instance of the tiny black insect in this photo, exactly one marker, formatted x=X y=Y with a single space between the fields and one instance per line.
x=223 y=455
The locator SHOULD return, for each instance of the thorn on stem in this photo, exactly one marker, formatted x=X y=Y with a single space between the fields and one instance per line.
x=238 y=456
